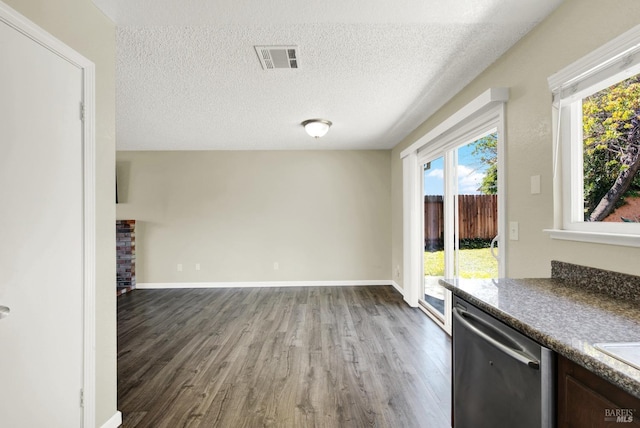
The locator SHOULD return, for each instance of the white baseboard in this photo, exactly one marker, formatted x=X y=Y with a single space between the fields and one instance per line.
x=262 y=284
x=114 y=422
x=397 y=287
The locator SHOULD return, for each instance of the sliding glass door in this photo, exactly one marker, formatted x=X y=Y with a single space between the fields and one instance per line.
x=460 y=219
x=435 y=297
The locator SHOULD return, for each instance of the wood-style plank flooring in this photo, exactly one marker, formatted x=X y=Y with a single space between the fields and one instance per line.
x=280 y=357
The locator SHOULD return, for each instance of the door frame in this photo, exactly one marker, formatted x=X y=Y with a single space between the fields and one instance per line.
x=449 y=202
x=484 y=112
x=87 y=111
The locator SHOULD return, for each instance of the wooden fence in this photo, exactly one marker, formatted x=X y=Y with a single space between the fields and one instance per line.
x=478 y=218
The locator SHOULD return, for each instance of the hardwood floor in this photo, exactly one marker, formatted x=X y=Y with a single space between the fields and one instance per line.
x=280 y=357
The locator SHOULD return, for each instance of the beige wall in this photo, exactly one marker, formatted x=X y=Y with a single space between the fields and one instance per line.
x=575 y=29
x=79 y=24
x=321 y=215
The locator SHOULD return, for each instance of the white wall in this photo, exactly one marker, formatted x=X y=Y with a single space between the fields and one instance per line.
x=79 y=24
x=573 y=30
x=321 y=215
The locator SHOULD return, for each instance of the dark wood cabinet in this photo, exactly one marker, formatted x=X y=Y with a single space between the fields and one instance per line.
x=585 y=400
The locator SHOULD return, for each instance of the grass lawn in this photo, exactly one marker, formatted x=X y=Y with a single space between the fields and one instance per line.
x=473 y=264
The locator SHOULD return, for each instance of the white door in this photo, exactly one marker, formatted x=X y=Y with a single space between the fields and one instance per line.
x=41 y=235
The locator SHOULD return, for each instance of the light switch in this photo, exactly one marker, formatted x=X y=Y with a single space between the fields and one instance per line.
x=513 y=230
x=535 y=184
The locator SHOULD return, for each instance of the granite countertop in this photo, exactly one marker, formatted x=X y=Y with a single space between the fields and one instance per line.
x=562 y=317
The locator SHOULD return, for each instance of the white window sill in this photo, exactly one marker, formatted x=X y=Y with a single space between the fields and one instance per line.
x=597 y=238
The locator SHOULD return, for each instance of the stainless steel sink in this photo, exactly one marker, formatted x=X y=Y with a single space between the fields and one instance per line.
x=627 y=352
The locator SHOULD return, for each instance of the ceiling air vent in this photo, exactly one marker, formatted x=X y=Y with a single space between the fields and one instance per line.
x=272 y=57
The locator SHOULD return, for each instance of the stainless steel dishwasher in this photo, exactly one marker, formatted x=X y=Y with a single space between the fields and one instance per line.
x=501 y=378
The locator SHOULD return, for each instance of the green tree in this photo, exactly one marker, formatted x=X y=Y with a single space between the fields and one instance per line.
x=486 y=151
x=611 y=132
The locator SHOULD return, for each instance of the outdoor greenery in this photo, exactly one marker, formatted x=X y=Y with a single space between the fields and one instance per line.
x=486 y=150
x=476 y=263
x=474 y=243
x=611 y=132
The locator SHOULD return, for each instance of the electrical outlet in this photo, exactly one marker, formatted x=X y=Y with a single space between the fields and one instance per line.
x=513 y=231
x=179 y=267
x=276 y=265
x=197 y=266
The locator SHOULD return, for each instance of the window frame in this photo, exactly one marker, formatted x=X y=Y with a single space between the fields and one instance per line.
x=606 y=66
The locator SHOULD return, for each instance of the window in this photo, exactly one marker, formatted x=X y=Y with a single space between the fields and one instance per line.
x=610 y=153
x=597 y=145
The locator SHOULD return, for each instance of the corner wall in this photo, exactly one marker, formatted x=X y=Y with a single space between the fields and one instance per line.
x=320 y=215
x=80 y=25
x=576 y=28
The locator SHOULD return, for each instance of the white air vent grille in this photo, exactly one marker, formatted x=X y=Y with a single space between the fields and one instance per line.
x=272 y=57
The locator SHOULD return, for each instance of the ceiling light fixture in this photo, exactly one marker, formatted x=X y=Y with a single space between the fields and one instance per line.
x=317 y=127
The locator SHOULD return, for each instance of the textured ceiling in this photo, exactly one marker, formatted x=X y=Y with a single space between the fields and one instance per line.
x=188 y=77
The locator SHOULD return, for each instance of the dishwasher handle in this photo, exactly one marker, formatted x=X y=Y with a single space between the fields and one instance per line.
x=516 y=354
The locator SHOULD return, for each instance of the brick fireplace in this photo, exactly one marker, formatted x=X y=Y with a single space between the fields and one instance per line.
x=125 y=256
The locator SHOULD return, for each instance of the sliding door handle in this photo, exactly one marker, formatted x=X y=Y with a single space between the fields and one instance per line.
x=4 y=312
x=494 y=242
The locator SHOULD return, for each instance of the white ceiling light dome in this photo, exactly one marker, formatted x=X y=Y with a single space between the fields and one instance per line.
x=317 y=127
